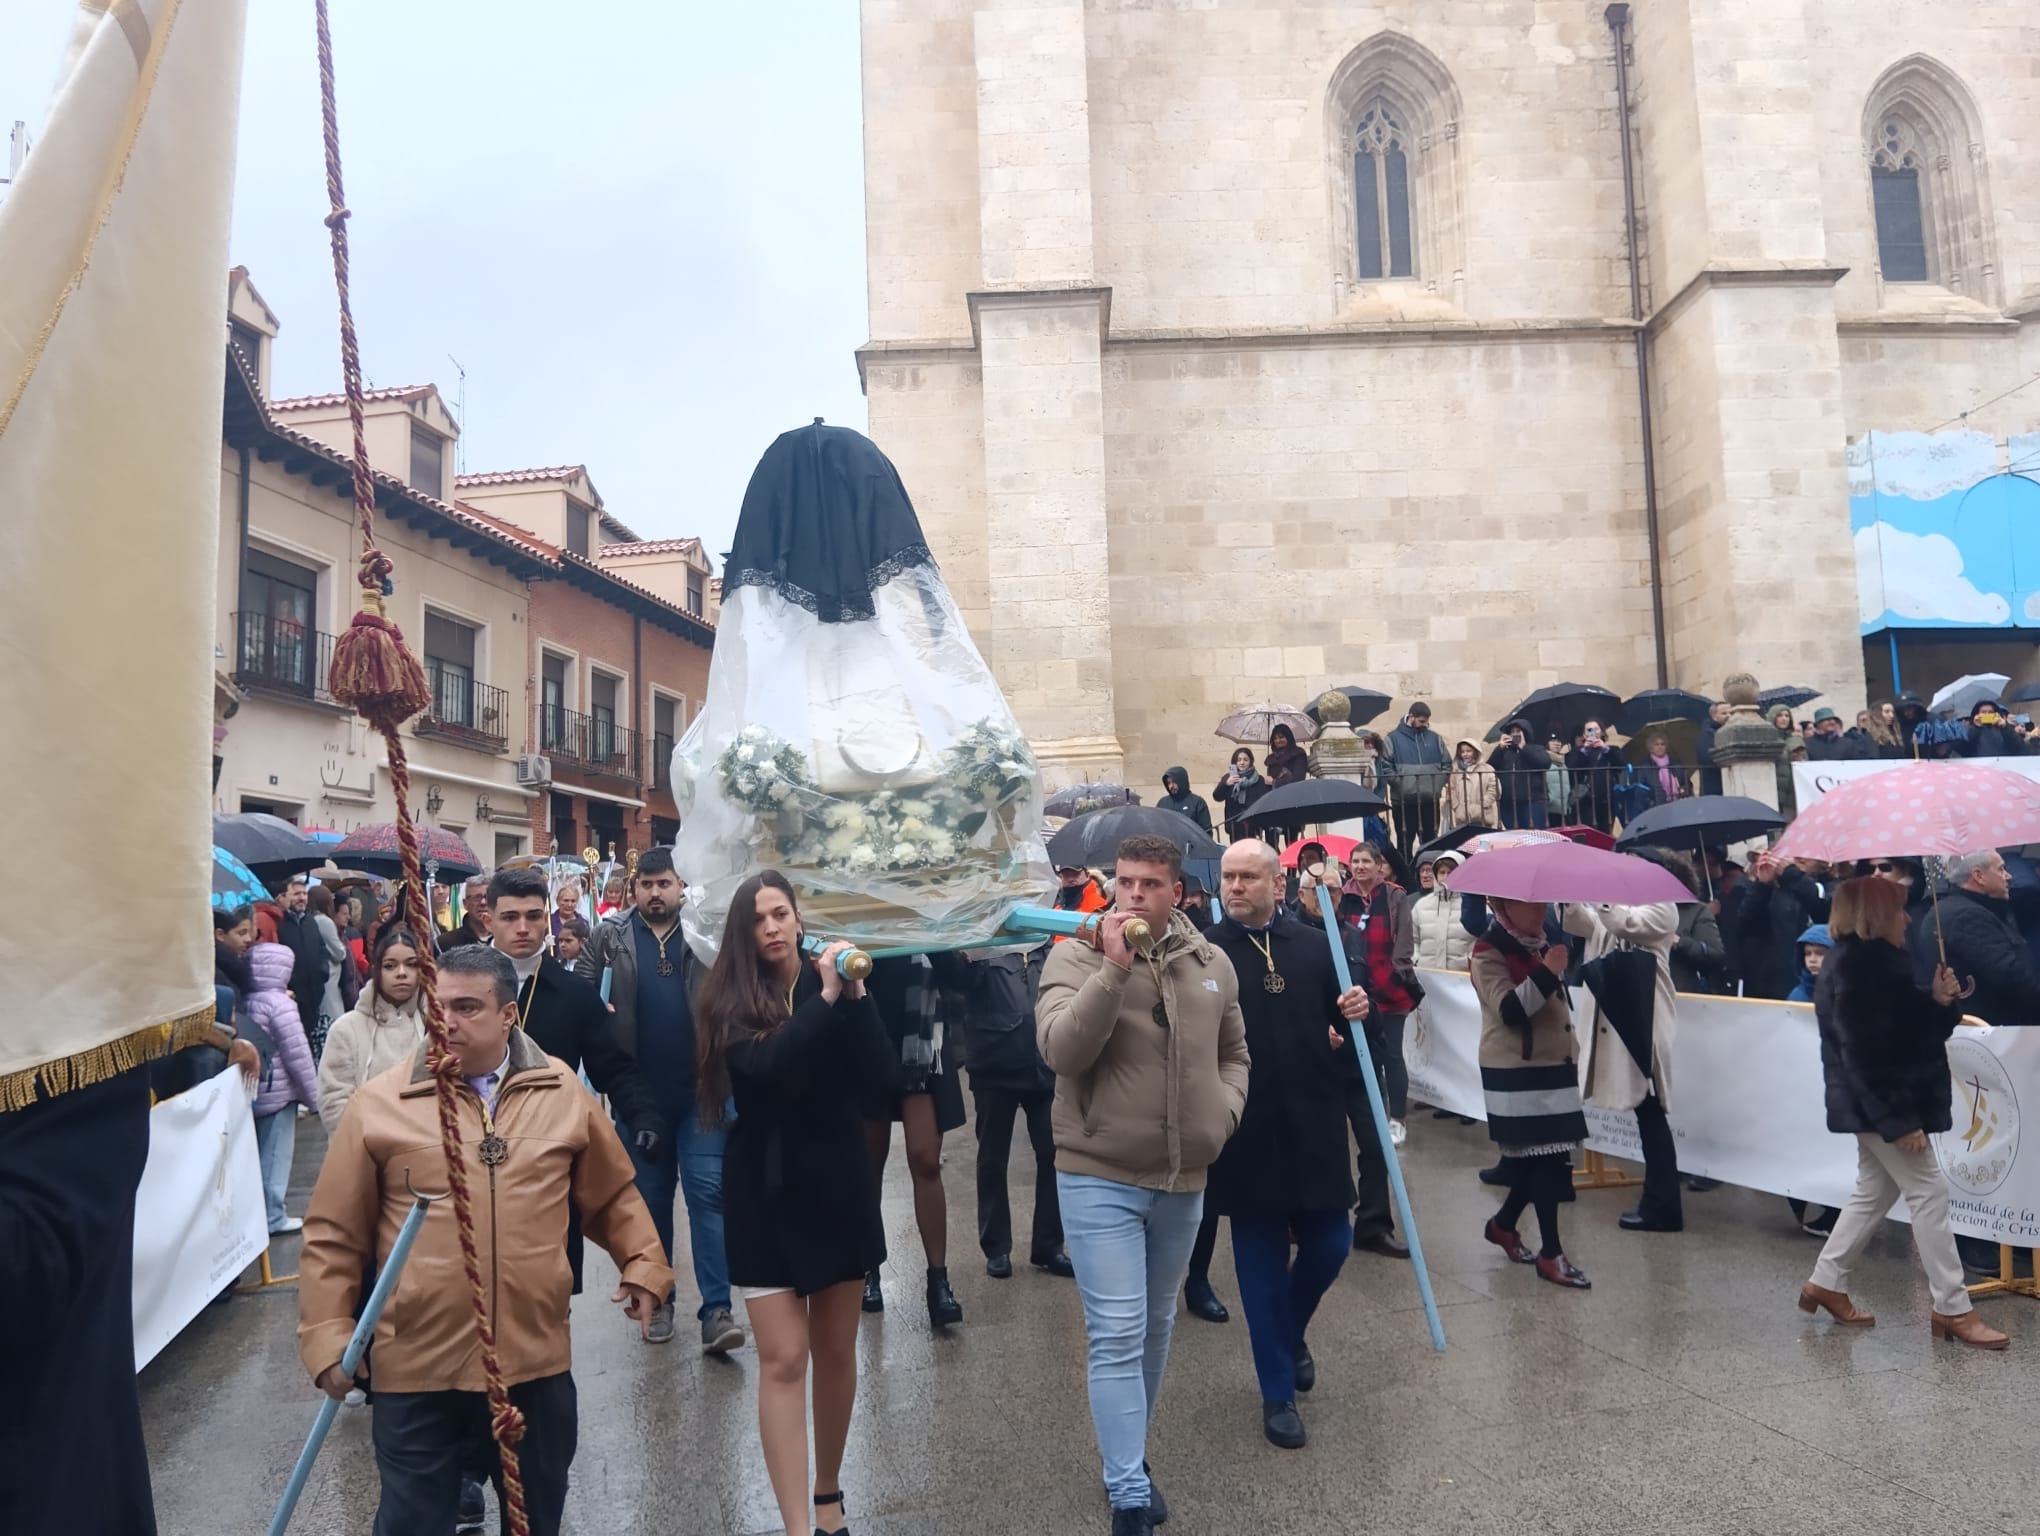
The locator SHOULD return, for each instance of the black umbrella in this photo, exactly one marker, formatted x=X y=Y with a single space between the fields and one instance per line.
x=1792 y=695
x=1313 y=800
x=1701 y=821
x=2027 y=693
x=825 y=523
x=1624 y=983
x=1561 y=710
x=1079 y=798
x=1663 y=704
x=1368 y=704
x=1092 y=840
x=268 y=845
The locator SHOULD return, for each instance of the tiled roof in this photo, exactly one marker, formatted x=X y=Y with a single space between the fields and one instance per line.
x=327 y=402
x=522 y=476
x=649 y=547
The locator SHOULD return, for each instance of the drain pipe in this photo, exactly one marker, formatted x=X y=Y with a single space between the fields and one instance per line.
x=1618 y=26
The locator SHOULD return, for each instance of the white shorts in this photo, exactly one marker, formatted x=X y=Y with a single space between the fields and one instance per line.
x=753 y=1292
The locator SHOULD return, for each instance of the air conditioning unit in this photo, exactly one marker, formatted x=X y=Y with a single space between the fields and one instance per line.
x=534 y=769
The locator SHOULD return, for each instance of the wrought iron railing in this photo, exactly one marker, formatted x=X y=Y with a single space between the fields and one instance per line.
x=282 y=656
x=464 y=709
x=591 y=741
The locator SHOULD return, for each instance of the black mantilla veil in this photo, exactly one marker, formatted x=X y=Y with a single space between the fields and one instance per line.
x=826 y=522
x=851 y=735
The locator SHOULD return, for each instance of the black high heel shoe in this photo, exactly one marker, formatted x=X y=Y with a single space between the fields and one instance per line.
x=836 y=1499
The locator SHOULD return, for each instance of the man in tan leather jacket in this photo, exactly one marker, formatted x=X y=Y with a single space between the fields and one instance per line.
x=534 y=1143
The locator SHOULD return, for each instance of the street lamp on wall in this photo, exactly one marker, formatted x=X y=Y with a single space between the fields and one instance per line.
x=433 y=801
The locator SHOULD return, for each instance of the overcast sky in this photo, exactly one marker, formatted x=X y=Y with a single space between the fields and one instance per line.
x=640 y=226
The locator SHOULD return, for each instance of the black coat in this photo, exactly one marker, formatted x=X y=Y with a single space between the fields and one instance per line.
x=1521 y=770
x=299 y=931
x=1883 y=1043
x=1238 y=799
x=994 y=1000
x=1769 y=925
x=1835 y=749
x=800 y=1204
x=1983 y=942
x=1182 y=801
x=1289 y=1153
x=1593 y=783
x=565 y=1017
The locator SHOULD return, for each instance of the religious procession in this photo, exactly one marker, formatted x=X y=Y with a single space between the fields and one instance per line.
x=1539 y=1100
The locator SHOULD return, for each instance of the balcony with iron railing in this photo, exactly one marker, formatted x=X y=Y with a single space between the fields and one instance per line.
x=591 y=742
x=465 y=711
x=280 y=656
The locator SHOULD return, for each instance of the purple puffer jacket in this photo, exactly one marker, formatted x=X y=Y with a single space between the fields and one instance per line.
x=292 y=1077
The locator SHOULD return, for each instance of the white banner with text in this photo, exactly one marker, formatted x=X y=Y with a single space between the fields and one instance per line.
x=199 y=1213
x=1812 y=780
x=1749 y=1104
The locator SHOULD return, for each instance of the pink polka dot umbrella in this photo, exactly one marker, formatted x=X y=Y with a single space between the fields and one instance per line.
x=1917 y=809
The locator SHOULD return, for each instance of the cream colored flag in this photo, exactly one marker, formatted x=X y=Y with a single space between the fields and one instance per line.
x=113 y=284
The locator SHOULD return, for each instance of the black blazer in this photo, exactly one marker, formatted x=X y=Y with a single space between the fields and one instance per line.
x=800 y=1206
x=1289 y=1153
x=1883 y=1043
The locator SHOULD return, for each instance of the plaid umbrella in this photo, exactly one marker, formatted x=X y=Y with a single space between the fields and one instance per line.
x=234 y=883
x=375 y=850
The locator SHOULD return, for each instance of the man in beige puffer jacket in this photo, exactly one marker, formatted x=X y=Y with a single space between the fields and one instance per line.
x=1150 y=1057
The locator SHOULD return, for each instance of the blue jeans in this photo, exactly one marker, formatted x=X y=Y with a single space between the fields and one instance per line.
x=1280 y=1295
x=275 y=1143
x=691 y=1161
x=1131 y=1249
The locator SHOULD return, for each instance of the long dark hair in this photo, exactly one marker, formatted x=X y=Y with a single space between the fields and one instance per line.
x=737 y=998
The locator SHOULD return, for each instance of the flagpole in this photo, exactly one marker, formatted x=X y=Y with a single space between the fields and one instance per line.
x=1387 y=1142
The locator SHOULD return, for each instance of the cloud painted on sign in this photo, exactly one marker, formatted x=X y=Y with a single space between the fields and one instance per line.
x=1919 y=576
x=1920 y=466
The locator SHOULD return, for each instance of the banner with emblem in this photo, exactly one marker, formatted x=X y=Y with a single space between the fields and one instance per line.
x=199 y=1213
x=1750 y=1104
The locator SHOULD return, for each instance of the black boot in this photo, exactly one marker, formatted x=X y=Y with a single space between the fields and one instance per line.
x=1202 y=1301
x=874 y=1298
x=943 y=1307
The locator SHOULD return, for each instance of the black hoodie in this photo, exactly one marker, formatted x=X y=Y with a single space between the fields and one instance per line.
x=1178 y=798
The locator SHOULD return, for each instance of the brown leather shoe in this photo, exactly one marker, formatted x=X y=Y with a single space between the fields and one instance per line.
x=1968 y=1329
x=1813 y=1298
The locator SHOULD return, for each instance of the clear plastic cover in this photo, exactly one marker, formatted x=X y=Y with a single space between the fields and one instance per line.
x=874 y=762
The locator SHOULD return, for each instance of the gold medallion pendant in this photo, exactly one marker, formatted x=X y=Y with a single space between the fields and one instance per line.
x=494 y=1149
x=665 y=966
x=1273 y=981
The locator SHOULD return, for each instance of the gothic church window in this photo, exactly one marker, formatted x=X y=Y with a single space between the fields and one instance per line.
x=1929 y=196
x=1392 y=133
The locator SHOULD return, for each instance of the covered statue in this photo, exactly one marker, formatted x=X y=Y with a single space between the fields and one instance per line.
x=852 y=736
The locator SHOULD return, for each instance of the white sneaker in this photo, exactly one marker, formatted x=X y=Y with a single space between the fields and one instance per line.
x=290 y=1224
x=1398 y=1132
x=355 y=1397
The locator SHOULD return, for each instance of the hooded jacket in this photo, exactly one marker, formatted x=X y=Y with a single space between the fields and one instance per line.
x=1285 y=765
x=1442 y=943
x=1417 y=762
x=1521 y=771
x=1471 y=794
x=364 y=1043
x=1770 y=921
x=289 y=1077
x=1180 y=800
x=1136 y=1101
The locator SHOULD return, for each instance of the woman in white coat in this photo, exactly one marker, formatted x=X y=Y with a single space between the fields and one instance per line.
x=384 y=1029
x=1442 y=942
x=1609 y=1074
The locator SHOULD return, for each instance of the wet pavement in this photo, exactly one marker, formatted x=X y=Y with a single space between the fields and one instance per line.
x=1683 y=1395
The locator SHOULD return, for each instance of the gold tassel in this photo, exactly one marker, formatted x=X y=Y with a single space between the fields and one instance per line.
x=82 y=1069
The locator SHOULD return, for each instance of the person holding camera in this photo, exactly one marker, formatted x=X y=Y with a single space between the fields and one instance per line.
x=1521 y=765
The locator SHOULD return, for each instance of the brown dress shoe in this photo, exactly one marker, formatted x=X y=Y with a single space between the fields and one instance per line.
x=1968 y=1329
x=1815 y=1297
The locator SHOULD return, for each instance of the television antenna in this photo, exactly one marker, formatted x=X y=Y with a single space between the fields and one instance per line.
x=460 y=413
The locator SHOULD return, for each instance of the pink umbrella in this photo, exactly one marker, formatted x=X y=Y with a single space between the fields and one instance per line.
x=1567 y=872
x=1917 y=808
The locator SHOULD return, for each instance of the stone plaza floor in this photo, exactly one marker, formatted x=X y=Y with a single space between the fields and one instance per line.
x=1683 y=1395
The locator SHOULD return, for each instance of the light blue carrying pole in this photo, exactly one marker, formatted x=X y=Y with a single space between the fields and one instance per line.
x=1395 y=1178
x=357 y=1346
x=1023 y=924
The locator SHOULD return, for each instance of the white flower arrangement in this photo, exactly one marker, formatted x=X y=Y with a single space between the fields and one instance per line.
x=926 y=827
